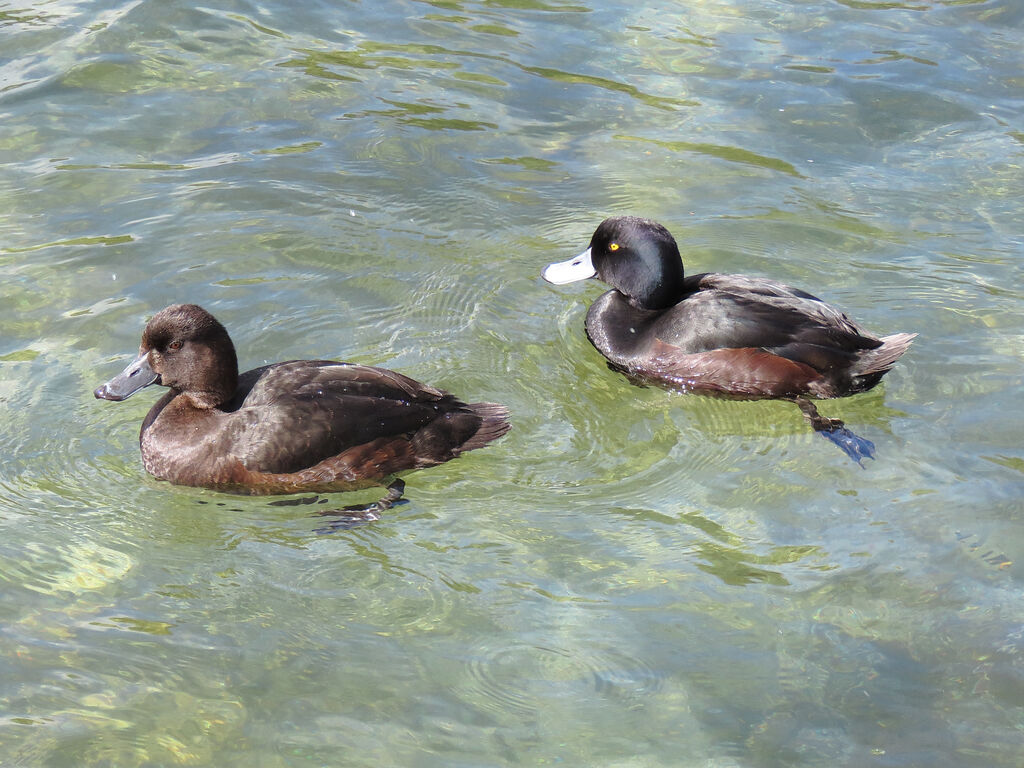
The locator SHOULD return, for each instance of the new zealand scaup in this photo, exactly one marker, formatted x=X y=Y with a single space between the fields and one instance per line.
x=728 y=335
x=297 y=426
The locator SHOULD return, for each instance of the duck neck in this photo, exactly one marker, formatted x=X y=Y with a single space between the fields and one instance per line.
x=219 y=380
x=656 y=289
x=617 y=327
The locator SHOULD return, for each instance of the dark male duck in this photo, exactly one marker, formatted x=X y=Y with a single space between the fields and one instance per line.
x=297 y=426
x=728 y=335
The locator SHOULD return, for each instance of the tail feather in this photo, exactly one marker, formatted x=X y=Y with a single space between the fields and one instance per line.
x=873 y=364
x=881 y=359
x=494 y=424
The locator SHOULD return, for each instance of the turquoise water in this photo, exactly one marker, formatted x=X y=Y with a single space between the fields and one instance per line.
x=629 y=578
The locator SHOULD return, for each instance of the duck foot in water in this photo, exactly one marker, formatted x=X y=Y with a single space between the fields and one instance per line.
x=360 y=514
x=857 y=448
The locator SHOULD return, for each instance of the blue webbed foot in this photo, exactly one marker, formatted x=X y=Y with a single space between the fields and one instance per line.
x=857 y=448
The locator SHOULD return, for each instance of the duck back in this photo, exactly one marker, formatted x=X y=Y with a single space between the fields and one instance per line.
x=314 y=425
x=744 y=337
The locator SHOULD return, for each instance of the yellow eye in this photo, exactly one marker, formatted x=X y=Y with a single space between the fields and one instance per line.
x=613 y=247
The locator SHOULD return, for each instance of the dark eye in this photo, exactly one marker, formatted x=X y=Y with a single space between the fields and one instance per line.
x=174 y=346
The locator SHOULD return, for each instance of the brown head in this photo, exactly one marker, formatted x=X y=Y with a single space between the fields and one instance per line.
x=183 y=348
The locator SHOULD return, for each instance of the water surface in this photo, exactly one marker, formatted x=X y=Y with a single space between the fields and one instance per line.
x=631 y=577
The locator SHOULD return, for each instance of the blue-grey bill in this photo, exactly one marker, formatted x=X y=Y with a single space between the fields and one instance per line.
x=137 y=375
x=562 y=272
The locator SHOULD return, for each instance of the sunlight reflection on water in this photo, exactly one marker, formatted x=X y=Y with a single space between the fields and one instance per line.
x=630 y=575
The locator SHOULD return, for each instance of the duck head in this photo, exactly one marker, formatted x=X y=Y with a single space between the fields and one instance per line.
x=183 y=348
x=638 y=257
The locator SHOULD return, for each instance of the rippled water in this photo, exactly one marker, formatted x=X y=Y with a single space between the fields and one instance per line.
x=630 y=577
